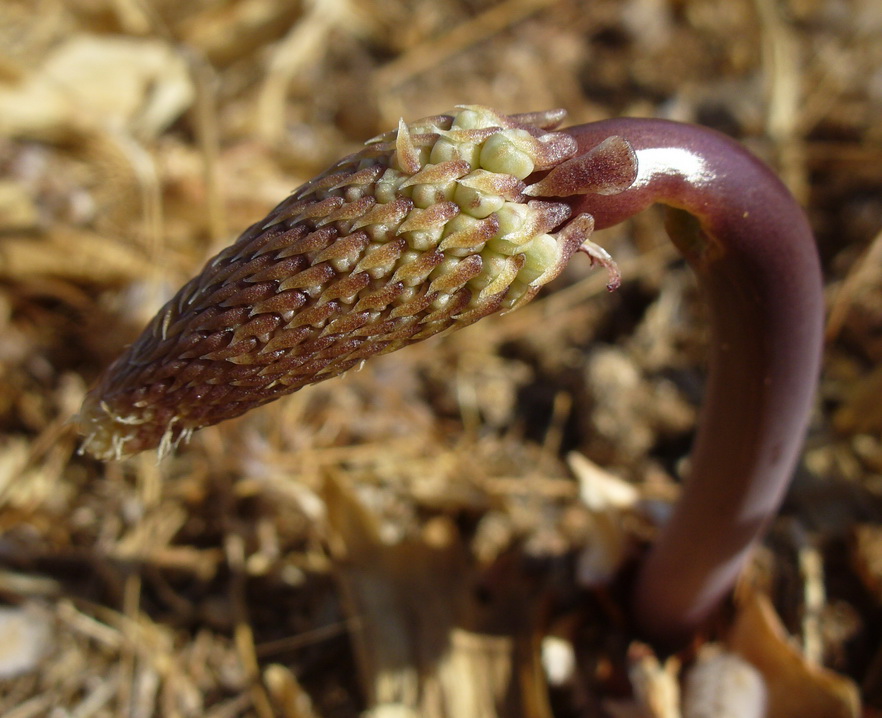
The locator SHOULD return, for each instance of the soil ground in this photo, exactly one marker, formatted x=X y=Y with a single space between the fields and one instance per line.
x=138 y=137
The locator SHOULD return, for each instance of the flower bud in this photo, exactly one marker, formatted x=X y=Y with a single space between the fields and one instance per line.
x=427 y=229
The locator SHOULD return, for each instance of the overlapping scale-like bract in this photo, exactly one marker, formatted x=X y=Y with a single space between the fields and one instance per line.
x=425 y=229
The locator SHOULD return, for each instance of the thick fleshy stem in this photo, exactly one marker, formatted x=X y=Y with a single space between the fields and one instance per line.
x=752 y=249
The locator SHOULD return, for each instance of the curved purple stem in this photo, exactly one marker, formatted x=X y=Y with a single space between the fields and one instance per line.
x=752 y=249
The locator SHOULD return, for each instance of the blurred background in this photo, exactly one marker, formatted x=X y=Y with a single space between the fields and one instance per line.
x=139 y=137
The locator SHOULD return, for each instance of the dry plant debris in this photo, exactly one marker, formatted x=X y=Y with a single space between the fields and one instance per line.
x=137 y=137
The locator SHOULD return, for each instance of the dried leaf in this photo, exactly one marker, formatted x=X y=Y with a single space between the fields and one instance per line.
x=608 y=498
x=25 y=637
x=138 y=85
x=797 y=688
x=601 y=490
x=75 y=255
x=656 y=688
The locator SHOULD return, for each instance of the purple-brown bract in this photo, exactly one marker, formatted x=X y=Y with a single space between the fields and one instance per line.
x=428 y=228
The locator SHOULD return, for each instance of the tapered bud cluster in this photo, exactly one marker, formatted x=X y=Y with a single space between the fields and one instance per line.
x=427 y=228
